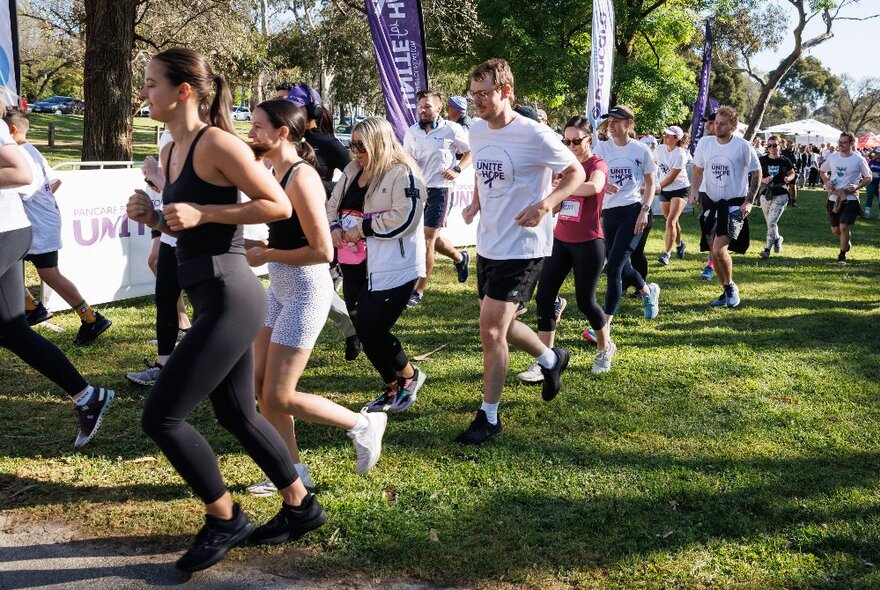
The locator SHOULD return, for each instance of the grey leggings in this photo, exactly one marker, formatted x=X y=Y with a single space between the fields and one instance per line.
x=773 y=209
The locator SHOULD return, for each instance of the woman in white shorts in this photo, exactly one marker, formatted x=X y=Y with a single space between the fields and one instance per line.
x=300 y=293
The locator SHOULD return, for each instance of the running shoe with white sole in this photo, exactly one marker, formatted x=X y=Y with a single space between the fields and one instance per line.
x=462 y=268
x=368 y=443
x=602 y=364
x=383 y=402
x=679 y=250
x=415 y=300
x=558 y=307
x=777 y=245
x=707 y=273
x=146 y=377
x=721 y=301
x=267 y=488
x=91 y=414
x=589 y=335
x=664 y=258
x=732 y=295
x=531 y=375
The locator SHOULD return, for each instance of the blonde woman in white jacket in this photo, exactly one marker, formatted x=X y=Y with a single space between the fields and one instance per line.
x=375 y=216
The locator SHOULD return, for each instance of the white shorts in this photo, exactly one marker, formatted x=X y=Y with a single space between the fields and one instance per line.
x=299 y=301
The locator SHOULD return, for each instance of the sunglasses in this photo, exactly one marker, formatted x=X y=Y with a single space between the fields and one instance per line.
x=358 y=146
x=481 y=94
x=567 y=142
x=771 y=145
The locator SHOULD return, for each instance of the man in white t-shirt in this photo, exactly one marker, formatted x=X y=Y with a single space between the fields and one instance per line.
x=732 y=172
x=433 y=142
x=515 y=160
x=844 y=173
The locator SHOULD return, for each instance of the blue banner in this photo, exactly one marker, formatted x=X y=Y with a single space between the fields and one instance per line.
x=398 y=33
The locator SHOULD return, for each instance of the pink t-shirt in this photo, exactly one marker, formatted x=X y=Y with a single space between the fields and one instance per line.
x=580 y=218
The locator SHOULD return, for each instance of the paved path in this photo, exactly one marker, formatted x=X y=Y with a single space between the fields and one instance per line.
x=51 y=555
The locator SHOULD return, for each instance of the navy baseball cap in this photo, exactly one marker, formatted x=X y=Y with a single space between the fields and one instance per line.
x=619 y=112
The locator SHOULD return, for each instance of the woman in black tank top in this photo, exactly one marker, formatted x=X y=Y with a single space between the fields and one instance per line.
x=298 y=250
x=206 y=168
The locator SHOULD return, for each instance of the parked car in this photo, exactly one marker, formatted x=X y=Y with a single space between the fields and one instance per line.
x=66 y=105
x=241 y=113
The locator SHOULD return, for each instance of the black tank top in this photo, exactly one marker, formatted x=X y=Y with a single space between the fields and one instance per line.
x=287 y=234
x=208 y=239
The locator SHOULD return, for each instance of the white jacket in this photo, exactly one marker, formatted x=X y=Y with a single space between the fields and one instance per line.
x=393 y=224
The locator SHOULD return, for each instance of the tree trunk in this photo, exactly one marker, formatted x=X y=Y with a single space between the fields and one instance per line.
x=757 y=115
x=107 y=81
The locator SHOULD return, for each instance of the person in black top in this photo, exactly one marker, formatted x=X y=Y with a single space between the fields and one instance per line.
x=299 y=293
x=776 y=174
x=330 y=156
x=788 y=152
x=205 y=168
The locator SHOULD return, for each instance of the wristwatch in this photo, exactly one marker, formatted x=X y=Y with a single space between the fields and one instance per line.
x=456 y=169
x=646 y=208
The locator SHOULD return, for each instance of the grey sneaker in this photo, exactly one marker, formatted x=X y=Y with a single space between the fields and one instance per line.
x=267 y=488
x=532 y=375
x=369 y=442
x=664 y=258
x=602 y=363
x=146 y=377
x=407 y=390
x=91 y=414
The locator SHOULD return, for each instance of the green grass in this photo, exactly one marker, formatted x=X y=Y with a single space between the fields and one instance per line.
x=69 y=130
x=726 y=449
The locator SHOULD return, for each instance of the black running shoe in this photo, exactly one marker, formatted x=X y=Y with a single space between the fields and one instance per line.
x=291 y=523
x=37 y=315
x=479 y=431
x=461 y=267
x=215 y=539
x=553 y=377
x=352 y=348
x=91 y=414
x=89 y=332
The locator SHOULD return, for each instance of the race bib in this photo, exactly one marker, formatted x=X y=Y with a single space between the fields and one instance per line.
x=570 y=210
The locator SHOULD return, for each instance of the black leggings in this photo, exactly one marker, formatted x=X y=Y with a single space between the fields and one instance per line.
x=374 y=313
x=167 y=294
x=15 y=333
x=586 y=259
x=619 y=223
x=215 y=360
x=637 y=259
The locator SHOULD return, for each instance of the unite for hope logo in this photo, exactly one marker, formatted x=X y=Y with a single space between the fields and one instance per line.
x=494 y=170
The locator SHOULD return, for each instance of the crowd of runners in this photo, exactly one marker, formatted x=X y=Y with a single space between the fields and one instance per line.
x=548 y=206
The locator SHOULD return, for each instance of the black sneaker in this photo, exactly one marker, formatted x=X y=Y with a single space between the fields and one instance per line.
x=462 y=268
x=37 y=315
x=89 y=332
x=91 y=414
x=291 y=523
x=352 y=348
x=479 y=431
x=841 y=259
x=215 y=539
x=553 y=377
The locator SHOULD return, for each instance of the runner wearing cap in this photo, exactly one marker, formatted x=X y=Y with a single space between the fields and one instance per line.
x=456 y=110
x=674 y=185
x=733 y=176
x=433 y=142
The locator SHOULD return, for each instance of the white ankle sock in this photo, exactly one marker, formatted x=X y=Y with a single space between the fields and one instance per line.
x=361 y=425
x=547 y=358
x=82 y=397
x=491 y=412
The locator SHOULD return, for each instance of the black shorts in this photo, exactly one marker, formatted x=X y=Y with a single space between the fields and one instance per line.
x=681 y=193
x=437 y=207
x=729 y=222
x=44 y=260
x=847 y=214
x=508 y=280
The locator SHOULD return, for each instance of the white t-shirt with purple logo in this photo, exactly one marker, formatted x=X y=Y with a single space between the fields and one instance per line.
x=726 y=167
x=627 y=166
x=667 y=162
x=514 y=167
x=843 y=171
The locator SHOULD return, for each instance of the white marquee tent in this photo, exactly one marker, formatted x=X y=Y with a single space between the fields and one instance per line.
x=806 y=131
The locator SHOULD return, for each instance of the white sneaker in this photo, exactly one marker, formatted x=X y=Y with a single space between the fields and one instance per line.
x=532 y=375
x=267 y=488
x=368 y=443
x=603 y=359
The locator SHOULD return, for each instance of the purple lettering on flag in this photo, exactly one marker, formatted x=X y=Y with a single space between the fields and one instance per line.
x=601 y=61
x=398 y=33
x=703 y=93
